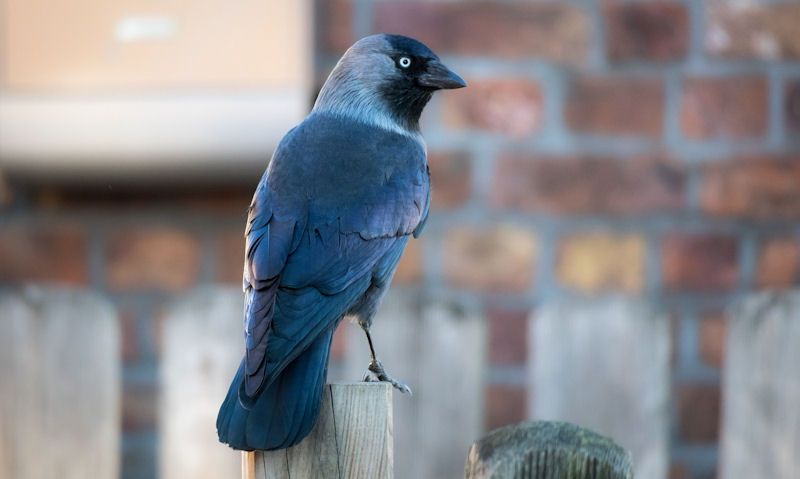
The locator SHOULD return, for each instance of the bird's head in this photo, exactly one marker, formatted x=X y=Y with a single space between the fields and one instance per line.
x=386 y=80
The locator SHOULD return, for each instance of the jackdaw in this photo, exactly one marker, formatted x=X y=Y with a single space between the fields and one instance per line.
x=343 y=194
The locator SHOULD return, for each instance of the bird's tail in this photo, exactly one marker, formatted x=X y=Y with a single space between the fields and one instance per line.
x=285 y=411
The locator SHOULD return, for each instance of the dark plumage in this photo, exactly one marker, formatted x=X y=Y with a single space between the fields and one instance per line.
x=329 y=220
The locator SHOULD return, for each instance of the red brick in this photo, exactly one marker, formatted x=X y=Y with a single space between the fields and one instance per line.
x=698 y=413
x=508 y=336
x=792 y=106
x=505 y=405
x=551 y=30
x=497 y=259
x=191 y=197
x=409 y=270
x=139 y=408
x=131 y=347
x=656 y=31
x=509 y=106
x=713 y=335
x=588 y=185
x=619 y=106
x=700 y=262
x=678 y=471
x=779 y=263
x=724 y=108
x=757 y=188
x=335 y=25
x=594 y=262
x=451 y=179
x=146 y=259
x=43 y=253
x=226 y=201
x=6 y=196
x=753 y=30
x=229 y=249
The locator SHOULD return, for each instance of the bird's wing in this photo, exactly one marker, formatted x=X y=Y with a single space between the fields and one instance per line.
x=424 y=219
x=330 y=218
x=268 y=242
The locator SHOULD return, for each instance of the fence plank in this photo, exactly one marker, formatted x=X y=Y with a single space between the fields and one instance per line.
x=604 y=364
x=761 y=417
x=202 y=347
x=438 y=349
x=352 y=438
x=59 y=385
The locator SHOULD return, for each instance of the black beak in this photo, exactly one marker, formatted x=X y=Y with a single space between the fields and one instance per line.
x=439 y=77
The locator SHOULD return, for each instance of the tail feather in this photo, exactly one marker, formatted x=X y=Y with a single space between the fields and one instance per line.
x=285 y=411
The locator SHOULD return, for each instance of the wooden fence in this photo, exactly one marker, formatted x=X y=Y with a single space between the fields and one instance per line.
x=603 y=364
x=202 y=348
x=59 y=386
x=761 y=417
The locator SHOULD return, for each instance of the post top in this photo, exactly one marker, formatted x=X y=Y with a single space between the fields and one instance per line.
x=569 y=445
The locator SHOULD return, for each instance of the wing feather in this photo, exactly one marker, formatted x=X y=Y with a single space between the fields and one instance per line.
x=330 y=218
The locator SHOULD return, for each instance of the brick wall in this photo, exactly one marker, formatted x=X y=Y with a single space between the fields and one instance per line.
x=607 y=147
x=635 y=148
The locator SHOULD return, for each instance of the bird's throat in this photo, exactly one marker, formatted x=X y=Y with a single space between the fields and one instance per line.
x=405 y=105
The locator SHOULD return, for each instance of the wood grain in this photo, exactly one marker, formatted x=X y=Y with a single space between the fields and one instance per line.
x=59 y=385
x=604 y=364
x=317 y=455
x=352 y=439
x=761 y=410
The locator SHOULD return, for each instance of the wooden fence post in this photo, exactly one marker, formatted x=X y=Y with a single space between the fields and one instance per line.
x=352 y=439
x=547 y=450
x=761 y=387
x=439 y=349
x=59 y=385
x=604 y=364
x=202 y=346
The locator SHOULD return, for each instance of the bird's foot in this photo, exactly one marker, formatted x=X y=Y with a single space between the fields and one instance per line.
x=375 y=372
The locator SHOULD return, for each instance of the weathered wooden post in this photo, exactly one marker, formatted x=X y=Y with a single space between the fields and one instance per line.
x=604 y=364
x=352 y=439
x=761 y=419
x=547 y=450
x=202 y=345
x=59 y=385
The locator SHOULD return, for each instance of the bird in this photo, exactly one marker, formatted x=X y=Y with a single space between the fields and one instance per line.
x=343 y=194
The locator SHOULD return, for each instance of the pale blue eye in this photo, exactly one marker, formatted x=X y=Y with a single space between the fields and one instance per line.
x=405 y=62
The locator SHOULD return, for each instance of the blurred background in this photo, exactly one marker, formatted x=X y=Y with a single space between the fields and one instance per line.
x=642 y=152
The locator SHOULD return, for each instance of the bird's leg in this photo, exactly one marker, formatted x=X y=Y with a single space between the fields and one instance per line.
x=376 y=368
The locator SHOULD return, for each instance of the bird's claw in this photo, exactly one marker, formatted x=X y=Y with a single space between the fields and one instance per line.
x=375 y=369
